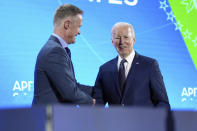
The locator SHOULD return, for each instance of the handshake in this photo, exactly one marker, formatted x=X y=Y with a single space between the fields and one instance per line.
x=93 y=101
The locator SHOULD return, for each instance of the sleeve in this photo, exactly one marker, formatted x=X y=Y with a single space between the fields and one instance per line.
x=85 y=88
x=60 y=75
x=97 y=89
x=158 y=91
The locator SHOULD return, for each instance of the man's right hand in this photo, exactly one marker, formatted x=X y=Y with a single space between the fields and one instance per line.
x=94 y=101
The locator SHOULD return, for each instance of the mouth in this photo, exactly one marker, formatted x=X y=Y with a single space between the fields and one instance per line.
x=121 y=47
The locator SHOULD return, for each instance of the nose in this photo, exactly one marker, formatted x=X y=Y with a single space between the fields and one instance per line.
x=120 y=40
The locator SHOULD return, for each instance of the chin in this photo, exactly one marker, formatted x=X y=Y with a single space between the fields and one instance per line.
x=123 y=54
x=72 y=42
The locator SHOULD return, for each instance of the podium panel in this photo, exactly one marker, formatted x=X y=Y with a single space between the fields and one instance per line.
x=27 y=119
x=111 y=119
x=87 y=118
x=185 y=120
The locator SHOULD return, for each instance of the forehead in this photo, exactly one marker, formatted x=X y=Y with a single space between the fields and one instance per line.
x=121 y=30
x=78 y=19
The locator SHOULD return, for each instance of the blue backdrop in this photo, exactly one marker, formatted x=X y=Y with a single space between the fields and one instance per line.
x=27 y=24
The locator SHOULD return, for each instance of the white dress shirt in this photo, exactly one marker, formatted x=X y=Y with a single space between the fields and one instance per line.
x=127 y=64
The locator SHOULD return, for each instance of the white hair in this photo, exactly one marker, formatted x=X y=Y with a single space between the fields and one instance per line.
x=118 y=24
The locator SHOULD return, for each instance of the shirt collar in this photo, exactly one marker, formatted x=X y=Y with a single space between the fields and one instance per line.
x=129 y=58
x=62 y=42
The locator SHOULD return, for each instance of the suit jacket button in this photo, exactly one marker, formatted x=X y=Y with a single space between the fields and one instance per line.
x=122 y=104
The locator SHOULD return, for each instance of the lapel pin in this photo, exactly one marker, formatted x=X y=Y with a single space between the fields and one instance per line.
x=137 y=62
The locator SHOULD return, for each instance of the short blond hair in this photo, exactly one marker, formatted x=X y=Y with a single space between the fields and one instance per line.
x=64 y=11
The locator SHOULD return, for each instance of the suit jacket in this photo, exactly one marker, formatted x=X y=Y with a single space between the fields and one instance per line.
x=54 y=79
x=144 y=84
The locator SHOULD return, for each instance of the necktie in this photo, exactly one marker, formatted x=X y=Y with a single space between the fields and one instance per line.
x=68 y=51
x=69 y=54
x=121 y=75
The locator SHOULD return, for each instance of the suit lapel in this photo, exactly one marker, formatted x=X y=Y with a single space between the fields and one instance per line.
x=115 y=75
x=131 y=74
x=53 y=38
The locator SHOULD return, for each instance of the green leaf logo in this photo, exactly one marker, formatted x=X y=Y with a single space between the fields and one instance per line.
x=185 y=13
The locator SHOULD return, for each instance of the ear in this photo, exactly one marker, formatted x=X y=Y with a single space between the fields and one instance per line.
x=112 y=41
x=67 y=24
x=133 y=41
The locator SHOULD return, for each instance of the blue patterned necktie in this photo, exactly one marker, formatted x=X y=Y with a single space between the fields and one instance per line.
x=121 y=74
x=68 y=52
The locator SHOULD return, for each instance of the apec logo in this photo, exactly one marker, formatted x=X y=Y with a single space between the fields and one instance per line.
x=22 y=88
x=120 y=2
x=189 y=94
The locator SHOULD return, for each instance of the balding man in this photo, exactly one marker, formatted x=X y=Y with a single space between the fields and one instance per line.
x=54 y=78
x=129 y=79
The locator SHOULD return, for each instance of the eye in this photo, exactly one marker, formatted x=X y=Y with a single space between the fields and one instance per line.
x=126 y=37
x=117 y=38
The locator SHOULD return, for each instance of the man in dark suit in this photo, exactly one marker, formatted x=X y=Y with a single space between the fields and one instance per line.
x=129 y=79
x=54 y=78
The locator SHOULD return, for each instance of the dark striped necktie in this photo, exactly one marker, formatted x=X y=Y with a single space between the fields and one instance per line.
x=121 y=74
